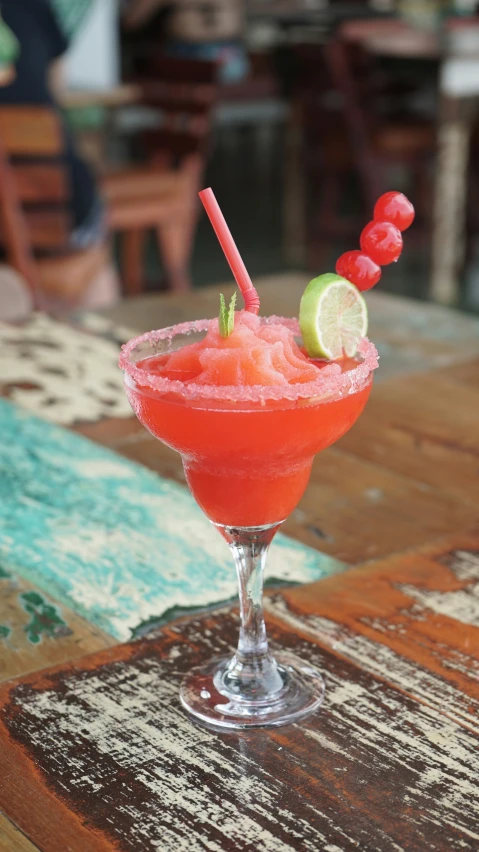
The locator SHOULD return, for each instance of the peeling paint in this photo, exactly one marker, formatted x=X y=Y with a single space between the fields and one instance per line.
x=123 y=548
x=70 y=376
x=459 y=604
x=383 y=662
x=4 y=631
x=116 y=744
x=45 y=618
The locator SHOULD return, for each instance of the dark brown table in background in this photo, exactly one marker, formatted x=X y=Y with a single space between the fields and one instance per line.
x=392 y=37
x=390 y=763
x=457 y=115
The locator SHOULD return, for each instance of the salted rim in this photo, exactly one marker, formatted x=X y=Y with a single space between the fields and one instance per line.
x=331 y=380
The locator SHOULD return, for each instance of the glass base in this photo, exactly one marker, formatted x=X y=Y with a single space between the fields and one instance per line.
x=204 y=694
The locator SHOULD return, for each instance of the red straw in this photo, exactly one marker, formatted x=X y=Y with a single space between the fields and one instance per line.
x=227 y=243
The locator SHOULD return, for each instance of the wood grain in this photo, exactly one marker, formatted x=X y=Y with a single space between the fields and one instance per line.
x=97 y=755
x=11 y=839
x=111 y=762
x=463 y=374
x=356 y=510
x=412 y=620
x=36 y=633
x=425 y=428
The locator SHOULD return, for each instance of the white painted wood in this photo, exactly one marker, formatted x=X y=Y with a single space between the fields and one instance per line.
x=383 y=662
x=195 y=791
x=78 y=371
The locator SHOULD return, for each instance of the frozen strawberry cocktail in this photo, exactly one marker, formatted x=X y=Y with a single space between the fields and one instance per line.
x=248 y=402
x=247 y=413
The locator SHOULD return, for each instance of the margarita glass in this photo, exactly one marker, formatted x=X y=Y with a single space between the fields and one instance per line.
x=247 y=451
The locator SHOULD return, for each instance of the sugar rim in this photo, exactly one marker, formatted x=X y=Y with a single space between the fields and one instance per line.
x=330 y=382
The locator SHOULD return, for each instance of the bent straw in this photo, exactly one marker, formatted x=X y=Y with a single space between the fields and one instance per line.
x=227 y=243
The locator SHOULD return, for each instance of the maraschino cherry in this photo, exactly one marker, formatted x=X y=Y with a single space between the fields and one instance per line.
x=394 y=207
x=359 y=269
x=381 y=241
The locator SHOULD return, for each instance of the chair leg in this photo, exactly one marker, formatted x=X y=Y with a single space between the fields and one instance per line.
x=294 y=193
x=132 y=252
x=175 y=243
x=325 y=224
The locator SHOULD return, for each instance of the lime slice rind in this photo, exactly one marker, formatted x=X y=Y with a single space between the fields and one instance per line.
x=333 y=317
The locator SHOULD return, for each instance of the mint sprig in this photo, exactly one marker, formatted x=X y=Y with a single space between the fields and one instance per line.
x=226 y=320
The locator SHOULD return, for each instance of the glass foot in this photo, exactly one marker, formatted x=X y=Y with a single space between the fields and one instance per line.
x=205 y=695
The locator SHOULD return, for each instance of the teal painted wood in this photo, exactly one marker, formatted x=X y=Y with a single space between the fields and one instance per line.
x=109 y=538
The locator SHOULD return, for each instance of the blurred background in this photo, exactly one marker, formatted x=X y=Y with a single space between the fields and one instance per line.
x=299 y=113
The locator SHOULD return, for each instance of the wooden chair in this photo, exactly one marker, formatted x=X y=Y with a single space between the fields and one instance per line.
x=376 y=140
x=162 y=195
x=351 y=136
x=35 y=219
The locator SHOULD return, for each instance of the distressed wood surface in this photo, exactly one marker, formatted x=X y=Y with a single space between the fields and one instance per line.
x=35 y=632
x=11 y=839
x=111 y=761
x=109 y=538
x=425 y=428
x=97 y=754
x=62 y=373
x=463 y=374
x=357 y=510
x=412 y=620
x=405 y=473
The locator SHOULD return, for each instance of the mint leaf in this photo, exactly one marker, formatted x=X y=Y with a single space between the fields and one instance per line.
x=223 y=317
x=226 y=320
x=231 y=315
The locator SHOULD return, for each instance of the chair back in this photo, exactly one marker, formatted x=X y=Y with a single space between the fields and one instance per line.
x=184 y=91
x=351 y=76
x=34 y=192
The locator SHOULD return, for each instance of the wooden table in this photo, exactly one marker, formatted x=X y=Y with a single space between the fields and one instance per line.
x=290 y=12
x=96 y=754
x=392 y=37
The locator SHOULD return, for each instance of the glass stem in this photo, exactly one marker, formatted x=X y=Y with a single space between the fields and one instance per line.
x=253 y=673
